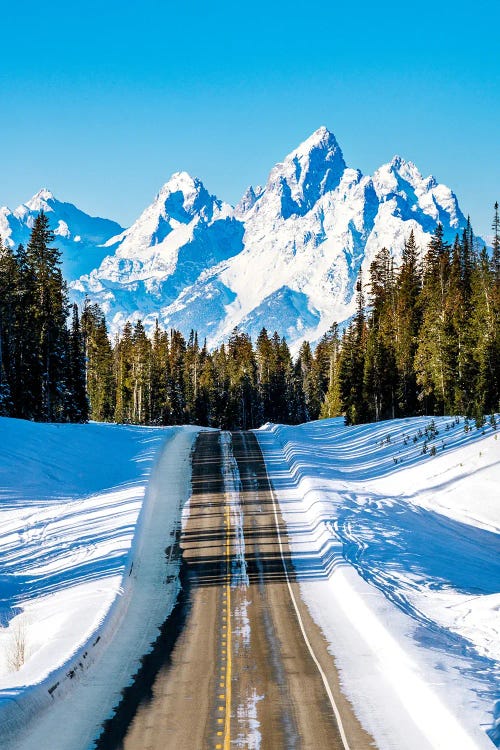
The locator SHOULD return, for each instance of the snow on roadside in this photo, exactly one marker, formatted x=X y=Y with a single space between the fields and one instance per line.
x=72 y=569
x=394 y=529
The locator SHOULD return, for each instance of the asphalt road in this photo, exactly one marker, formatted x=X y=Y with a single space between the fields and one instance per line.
x=247 y=668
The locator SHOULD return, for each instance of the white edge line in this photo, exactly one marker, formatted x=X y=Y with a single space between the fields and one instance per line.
x=301 y=624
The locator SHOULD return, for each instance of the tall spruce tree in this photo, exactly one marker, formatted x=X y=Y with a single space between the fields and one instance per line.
x=352 y=363
x=408 y=319
x=49 y=308
x=100 y=374
x=434 y=361
x=77 y=408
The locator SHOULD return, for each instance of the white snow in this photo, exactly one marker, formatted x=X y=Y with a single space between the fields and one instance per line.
x=397 y=556
x=286 y=257
x=81 y=554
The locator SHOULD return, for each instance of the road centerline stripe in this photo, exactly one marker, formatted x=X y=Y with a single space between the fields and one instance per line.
x=228 y=634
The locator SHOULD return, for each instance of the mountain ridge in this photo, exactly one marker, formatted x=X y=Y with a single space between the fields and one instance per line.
x=287 y=254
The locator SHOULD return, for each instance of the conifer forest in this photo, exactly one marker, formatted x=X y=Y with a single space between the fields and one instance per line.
x=425 y=339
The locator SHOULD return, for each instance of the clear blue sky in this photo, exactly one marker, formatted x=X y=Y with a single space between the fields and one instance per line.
x=102 y=104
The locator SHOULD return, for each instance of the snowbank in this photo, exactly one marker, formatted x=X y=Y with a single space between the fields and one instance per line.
x=73 y=571
x=394 y=532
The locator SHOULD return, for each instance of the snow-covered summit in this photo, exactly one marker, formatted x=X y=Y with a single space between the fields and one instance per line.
x=184 y=231
x=44 y=200
x=180 y=204
x=79 y=236
x=296 y=184
x=401 y=180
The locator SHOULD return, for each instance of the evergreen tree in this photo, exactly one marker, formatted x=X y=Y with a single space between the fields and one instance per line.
x=100 y=372
x=49 y=307
x=307 y=374
x=332 y=403
x=124 y=376
x=77 y=409
x=160 y=408
x=9 y=278
x=434 y=360
x=141 y=368
x=176 y=382
x=243 y=406
x=408 y=318
x=352 y=363
x=380 y=371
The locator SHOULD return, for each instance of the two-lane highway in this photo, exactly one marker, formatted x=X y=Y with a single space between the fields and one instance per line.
x=250 y=669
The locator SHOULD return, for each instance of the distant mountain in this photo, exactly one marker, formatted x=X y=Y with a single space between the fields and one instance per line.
x=181 y=234
x=80 y=237
x=286 y=257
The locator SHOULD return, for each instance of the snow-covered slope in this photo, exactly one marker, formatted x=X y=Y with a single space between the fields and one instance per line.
x=84 y=516
x=396 y=551
x=286 y=257
x=79 y=236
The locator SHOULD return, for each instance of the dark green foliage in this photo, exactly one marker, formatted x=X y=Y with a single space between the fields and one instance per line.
x=100 y=380
x=431 y=343
x=42 y=369
x=77 y=407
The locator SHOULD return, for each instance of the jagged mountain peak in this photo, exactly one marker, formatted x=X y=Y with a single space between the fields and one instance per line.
x=312 y=169
x=43 y=195
x=181 y=182
x=248 y=201
x=181 y=199
x=41 y=201
x=322 y=138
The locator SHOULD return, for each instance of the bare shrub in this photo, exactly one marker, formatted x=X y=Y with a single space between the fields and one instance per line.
x=17 y=646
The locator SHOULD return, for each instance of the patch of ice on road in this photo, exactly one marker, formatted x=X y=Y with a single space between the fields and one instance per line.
x=241 y=627
x=232 y=487
x=249 y=737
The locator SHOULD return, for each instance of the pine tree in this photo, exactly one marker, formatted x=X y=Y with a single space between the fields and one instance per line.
x=380 y=371
x=434 y=359
x=332 y=403
x=243 y=407
x=264 y=358
x=9 y=278
x=408 y=318
x=160 y=407
x=49 y=307
x=98 y=354
x=176 y=383
x=352 y=363
x=77 y=409
x=485 y=332
x=310 y=382
x=123 y=352
x=141 y=367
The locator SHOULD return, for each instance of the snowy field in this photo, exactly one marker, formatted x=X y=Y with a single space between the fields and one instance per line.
x=397 y=551
x=71 y=568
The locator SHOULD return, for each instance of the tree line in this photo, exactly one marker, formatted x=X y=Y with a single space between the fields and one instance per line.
x=428 y=341
x=425 y=339
x=42 y=365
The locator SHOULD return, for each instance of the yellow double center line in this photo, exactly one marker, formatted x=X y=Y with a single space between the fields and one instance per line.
x=227 y=724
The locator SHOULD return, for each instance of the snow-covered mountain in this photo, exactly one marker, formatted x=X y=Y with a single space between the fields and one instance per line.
x=184 y=232
x=80 y=237
x=286 y=257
